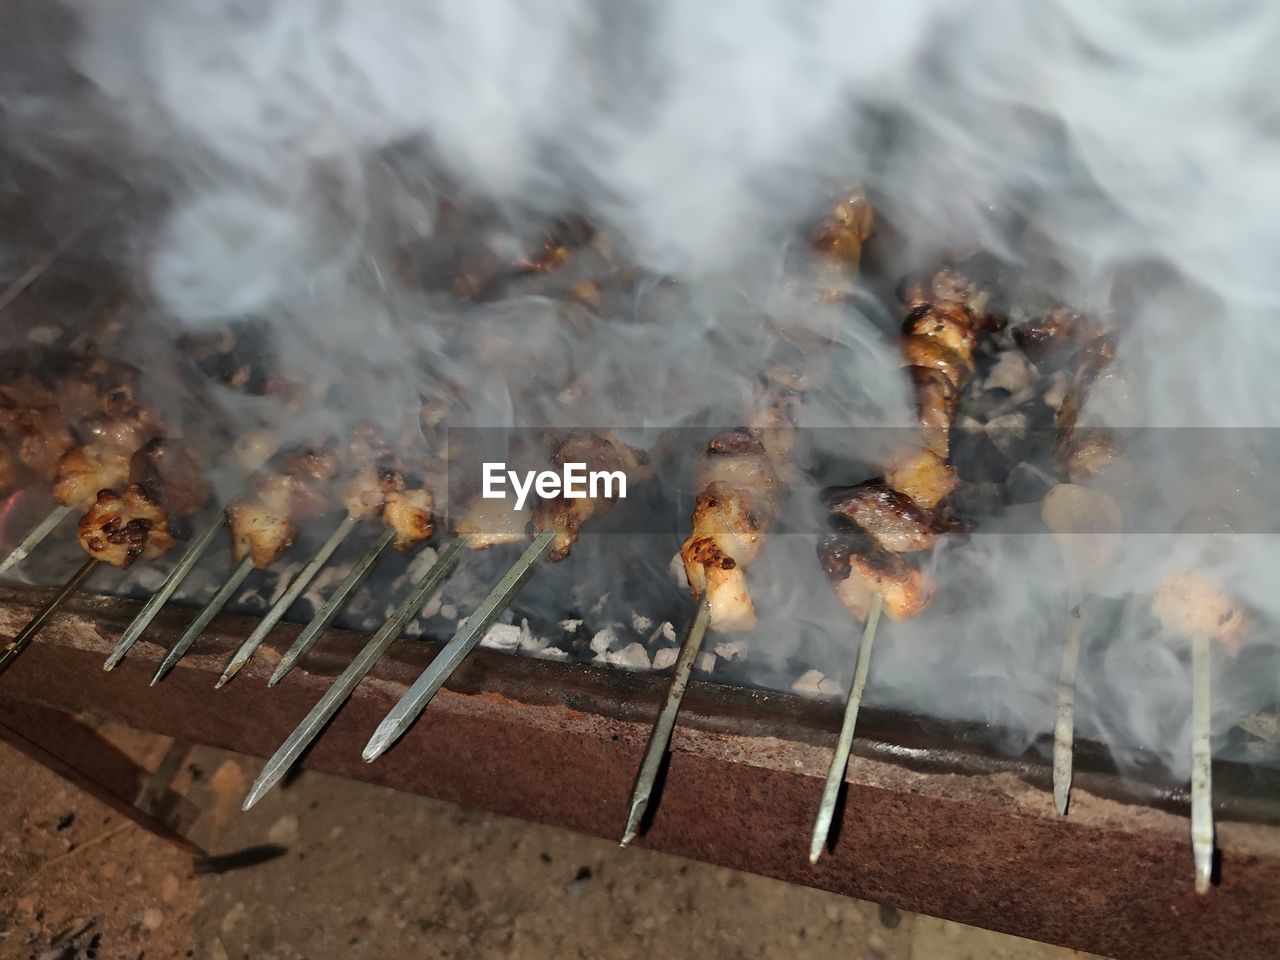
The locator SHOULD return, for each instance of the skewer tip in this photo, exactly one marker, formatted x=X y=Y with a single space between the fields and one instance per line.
x=377 y=744
x=256 y=793
x=1061 y=792
x=222 y=681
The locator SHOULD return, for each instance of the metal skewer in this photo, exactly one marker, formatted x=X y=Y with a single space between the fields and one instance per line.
x=287 y=600
x=158 y=599
x=1064 y=726
x=211 y=609
x=1201 y=761
x=840 y=762
x=28 y=633
x=43 y=263
x=660 y=735
x=35 y=537
x=447 y=660
x=320 y=622
x=357 y=670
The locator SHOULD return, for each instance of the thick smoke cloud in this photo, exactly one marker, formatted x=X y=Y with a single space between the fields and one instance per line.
x=1116 y=156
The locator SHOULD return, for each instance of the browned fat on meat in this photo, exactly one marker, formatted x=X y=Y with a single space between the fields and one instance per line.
x=857 y=568
x=408 y=513
x=896 y=521
x=726 y=536
x=119 y=529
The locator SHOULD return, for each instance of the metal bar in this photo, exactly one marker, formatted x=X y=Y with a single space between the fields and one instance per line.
x=158 y=599
x=940 y=818
x=46 y=260
x=36 y=624
x=34 y=538
x=1201 y=761
x=211 y=610
x=1065 y=724
x=660 y=735
x=455 y=651
x=287 y=600
x=840 y=762
x=325 y=616
x=357 y=670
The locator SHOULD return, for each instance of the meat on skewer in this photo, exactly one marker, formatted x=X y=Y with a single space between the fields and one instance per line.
x=380 y=488
x=292 y=488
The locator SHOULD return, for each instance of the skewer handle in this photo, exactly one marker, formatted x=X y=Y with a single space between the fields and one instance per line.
x=287 y=600
x=158 y=599
x=455 y=651
x=1064 y=725
x=203 y=619
x=36 y=624
x=1201 y=760
x=660 y=735
x=320 y=622
x=357 y=670
x=840 y=761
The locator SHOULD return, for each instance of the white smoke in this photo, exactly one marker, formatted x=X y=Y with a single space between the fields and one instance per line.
x=1093 y=144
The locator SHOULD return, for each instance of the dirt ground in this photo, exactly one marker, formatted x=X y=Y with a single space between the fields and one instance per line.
x=362 y=871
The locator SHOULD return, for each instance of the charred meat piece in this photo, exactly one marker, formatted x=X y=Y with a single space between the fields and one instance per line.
x=726 y=536
x=408 y=513
x=121 y=528
x=294 y=487
x=858 y=567
x=933 y=354
x=172 y=474
x=892 y=518
x=597 y=452
x=937 y=401
x=953 y=325
x=739 y=459
x=842 y=232
x=87 y=469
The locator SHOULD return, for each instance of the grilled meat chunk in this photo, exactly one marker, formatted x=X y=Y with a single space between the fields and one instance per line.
x=891 y=517
x=952 y=325
x=923 y=476
x=260 y=532
x=937 y=401
x=366 y=494
x=598 y=452
x=842 y=232
x=121 y=528
x=1054 y=339
x=727 y=535
x=1194 y=603
x=408 y=513
x=89 y=468
x=172 y=473
x=858 y=567
x=933 y=354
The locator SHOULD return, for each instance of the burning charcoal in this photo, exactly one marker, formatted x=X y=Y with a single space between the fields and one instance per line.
x=631 y=657
x=1008 y=434
x=706 y=663
x=664 y=658
x=731 y=650
x=813 y=683
x=603 y=641
x=1012 y=373
x=502 y=636
x=529 y=641
x=640 y=623
x=570 y=627
x=449 y=611
x=420 y=564
x=665 y=632
x=552 y=653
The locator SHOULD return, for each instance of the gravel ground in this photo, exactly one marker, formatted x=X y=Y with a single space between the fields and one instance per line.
x=367 y=872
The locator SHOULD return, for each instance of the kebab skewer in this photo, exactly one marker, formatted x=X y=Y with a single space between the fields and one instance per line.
x=377 y=488
x=1080 y=513
x=556 y=525
x=900 y=514
x=39 y=424
x=486 y=523
x=162 y=485
x=292 y=487
x=739 y=495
